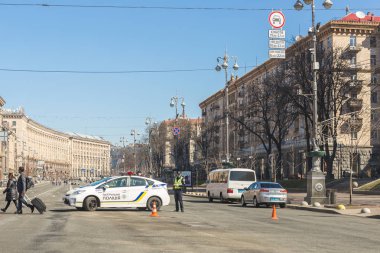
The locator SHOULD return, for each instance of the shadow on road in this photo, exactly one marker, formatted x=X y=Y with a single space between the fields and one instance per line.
x=197 y=201
x=63 y=210
x=98 y=210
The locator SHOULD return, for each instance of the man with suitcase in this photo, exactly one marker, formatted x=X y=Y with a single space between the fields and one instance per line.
x=21 y=188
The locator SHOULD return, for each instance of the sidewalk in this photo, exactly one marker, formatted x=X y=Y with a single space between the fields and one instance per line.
x=359 y=202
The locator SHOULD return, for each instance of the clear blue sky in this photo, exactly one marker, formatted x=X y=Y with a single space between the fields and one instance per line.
x=109 y=39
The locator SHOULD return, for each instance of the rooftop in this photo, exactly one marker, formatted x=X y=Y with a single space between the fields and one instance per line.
x=369 y=17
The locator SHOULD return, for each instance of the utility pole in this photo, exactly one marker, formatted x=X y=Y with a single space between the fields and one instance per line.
x=123 y=140
x=134 y=133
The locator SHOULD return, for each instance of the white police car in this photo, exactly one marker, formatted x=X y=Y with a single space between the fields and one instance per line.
x=121 y=191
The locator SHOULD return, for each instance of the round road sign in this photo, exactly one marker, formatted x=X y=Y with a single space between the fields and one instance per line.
x=277 y=19
x=176 y=130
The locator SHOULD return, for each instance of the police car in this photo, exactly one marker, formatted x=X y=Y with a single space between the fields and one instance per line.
x=121 y=191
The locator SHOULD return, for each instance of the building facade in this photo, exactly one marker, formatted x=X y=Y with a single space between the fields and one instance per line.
x=179 y=149
x=48 y=153
x=356 y=44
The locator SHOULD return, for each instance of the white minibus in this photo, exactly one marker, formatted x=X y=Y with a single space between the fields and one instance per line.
x=228 y=184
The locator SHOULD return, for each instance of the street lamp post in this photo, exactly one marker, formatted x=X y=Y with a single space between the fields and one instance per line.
x=225 y=59
x=316 y=184
x=134 y=133
x=174 y=103
x=149 y=124
x=123 y=140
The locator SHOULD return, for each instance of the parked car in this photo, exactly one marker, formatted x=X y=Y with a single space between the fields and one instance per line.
x=267 y=193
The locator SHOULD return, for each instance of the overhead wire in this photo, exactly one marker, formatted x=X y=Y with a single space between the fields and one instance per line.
x=161 y=7
x=107 y=72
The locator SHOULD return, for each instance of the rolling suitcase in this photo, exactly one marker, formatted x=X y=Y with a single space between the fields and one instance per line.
x=38 y=204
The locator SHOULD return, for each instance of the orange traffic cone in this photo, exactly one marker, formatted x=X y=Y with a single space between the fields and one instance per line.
x=274 y=214
x=154 y=210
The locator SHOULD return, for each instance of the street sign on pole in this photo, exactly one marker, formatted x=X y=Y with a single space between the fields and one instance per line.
x=277 y=54
x=277 y=44
x=276 y=19
x=176 y=131
x=276 y=34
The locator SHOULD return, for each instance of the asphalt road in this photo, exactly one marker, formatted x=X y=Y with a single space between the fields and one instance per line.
x=204 y=227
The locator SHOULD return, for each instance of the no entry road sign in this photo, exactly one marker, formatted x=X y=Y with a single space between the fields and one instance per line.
x=277 y=19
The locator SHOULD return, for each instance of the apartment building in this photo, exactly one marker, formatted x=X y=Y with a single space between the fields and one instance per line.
x=46 y=152
x=356 y=44
x=179 y=147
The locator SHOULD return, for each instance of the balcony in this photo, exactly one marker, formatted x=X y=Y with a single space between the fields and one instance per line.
x=354 y=67
x=352 y=125
x=355 y=104
x=355 y=84
x=356 y=124
x=353 y=49
x=215 y=107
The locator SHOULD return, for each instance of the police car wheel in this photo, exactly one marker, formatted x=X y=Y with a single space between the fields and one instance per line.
x=90 y=204
x=150 y=202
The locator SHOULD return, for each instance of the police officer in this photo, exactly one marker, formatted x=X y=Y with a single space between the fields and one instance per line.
x=178 y=184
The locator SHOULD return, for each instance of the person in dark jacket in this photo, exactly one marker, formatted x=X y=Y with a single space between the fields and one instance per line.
x=21 y=188
x=11 y=192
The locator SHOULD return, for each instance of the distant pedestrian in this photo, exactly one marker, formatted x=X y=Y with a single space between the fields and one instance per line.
x=21 y=188
x=11 y=192
x=178 y=184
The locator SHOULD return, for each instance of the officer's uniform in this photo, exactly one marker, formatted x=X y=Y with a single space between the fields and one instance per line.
x=177 y=187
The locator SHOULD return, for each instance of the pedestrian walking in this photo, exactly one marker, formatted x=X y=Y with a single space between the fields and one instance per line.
x=11 y=192
x=21 y=188
x=178 y=184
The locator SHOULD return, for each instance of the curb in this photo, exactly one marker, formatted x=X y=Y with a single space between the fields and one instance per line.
x=364 y=192
x=195 y=195
x=313 y=209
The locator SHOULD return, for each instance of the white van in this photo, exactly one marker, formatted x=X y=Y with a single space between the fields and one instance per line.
x=228 y=184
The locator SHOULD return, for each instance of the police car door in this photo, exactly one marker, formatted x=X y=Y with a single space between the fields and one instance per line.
x=138 y=188
x=113 y=192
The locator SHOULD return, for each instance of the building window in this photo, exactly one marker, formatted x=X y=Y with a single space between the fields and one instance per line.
x=374 y=135
x=374 y=97
x=353 y=60
x=354 y=77
x=354 y=95
x=329 y=42
x=372 y=41
x=354 y=135
x=13 y=123
x=373 y=60
x=352 y=41
x=373 y=79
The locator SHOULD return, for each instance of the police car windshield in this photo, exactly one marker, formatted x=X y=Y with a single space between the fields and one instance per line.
x=99 y=182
